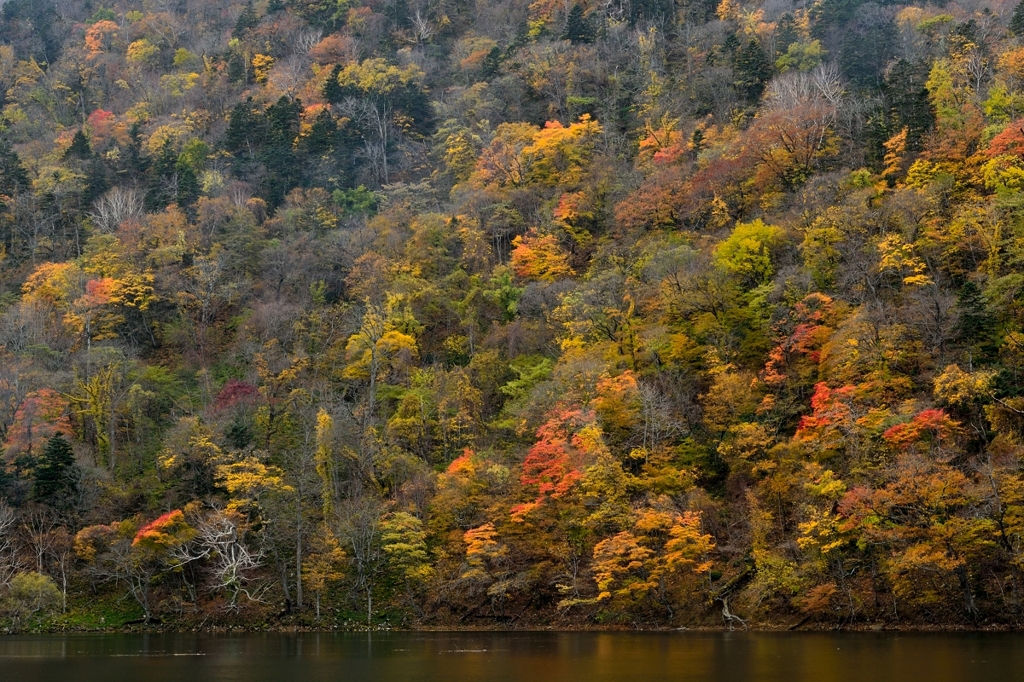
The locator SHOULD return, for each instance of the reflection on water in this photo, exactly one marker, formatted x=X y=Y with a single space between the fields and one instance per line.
x=518 y=656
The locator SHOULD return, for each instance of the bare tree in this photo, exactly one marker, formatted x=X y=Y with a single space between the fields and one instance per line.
x=359 y=531
x=9 y=563
x=115 y=207
x=229 y=561
x=307 y=41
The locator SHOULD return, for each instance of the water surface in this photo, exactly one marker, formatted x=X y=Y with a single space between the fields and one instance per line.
x=515 y=656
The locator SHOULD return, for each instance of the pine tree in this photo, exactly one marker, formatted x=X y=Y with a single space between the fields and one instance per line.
x=160 y=189
x=278 y=154
x=333 y=92
x=96 y=183
x=13 y=176
x=246 y=20
x=976 y=327
x=1017 y=20
x=187 y=189
x=80 y=147
x=246 y=130
x=322 y=134
x=54 y=480
x=786 y=34
x=492 y=63
x=577 y=27
x=135 y=164
x=909 y=105
x=236 y=68
x=752 y=71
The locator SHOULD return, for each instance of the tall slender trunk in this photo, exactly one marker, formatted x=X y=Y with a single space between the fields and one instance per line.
x=298 y=555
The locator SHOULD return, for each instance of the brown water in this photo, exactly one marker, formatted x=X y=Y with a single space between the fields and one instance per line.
x=519 y=656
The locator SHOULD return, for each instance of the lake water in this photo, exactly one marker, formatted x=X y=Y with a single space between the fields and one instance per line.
x=516 y=656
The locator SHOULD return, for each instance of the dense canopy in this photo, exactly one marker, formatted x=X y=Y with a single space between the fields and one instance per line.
x=642 y=313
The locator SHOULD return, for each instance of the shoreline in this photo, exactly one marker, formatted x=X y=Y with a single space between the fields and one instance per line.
x=819 y=628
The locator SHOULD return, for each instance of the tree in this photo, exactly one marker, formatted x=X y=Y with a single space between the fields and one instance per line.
x=13 y=176
x=247 y=21
x=1017 y=20
x=633 y=565
x=577 y=26
x=752 y=71
x=133 y=553
x=748 y=252
x=41 y=415
x=403 y=540
x=56 y=475
x=218 y=541
x=30 y=594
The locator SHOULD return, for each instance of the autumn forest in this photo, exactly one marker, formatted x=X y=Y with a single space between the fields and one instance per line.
x=441 y=313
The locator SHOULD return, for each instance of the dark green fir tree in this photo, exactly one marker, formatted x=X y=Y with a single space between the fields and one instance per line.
x=1017 y=19
x=247 y=20
x=752 y=71
x=54 y=480
x=577 y=27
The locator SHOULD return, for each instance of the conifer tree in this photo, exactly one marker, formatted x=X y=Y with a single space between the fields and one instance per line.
x=332 y=90
x=80 y=148
x=161 y=179
x=246 y=20
x=1017 y=20
x=13 y=176
x=577 y=28
x=786 y=34
x=492 y=63
x=188 y=189
x=752 y=71
x=977 y=326
x=909 y=105
x=96 y=183
x=54 y=480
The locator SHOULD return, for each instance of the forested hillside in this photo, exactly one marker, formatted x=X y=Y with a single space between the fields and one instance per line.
x=429 y=312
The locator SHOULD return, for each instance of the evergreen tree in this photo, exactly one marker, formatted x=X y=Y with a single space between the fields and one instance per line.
x=577 y=27
x=752 y=71
x=876 y=133
x=278 y=154
x=236 y=68
x=96 y=183
x=54 y=479
x=13 y=176
x=132 y=162
x=322 y=134
x=187 y=186
x=976 y=327
x=80 y=147
x=247 y=20
x=909 y=106
x=1017 y=20
x=160 y=187
x=398 y=13
x=868 y=44
x=727 y=53
x=492 y=63
x=786 y=34
x=246 y=130
x=332 y=91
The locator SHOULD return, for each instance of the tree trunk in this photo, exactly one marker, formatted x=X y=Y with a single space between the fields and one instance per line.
x=298 y=559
